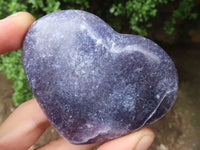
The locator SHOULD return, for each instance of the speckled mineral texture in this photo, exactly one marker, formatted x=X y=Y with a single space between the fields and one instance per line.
x=93 y=83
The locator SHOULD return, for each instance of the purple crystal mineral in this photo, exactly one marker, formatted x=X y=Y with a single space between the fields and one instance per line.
x=93 y=83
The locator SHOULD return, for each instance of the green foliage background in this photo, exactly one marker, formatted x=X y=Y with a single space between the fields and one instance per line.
x=133 y=15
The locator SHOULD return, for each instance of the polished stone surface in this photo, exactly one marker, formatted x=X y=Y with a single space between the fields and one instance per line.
x=93 y=83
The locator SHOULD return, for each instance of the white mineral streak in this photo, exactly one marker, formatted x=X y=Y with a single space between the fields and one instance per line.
x=161 y=100
x=116 y=48
x=93 y=35
x=99 y=131
x=90 y=32
x=131 y=48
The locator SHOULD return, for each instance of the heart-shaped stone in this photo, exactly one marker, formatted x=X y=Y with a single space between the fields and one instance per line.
x=93 y=83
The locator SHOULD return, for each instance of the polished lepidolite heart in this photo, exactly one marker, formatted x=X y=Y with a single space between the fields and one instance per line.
x=93 y=83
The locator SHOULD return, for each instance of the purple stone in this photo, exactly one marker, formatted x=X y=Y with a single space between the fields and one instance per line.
x=93 y=83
